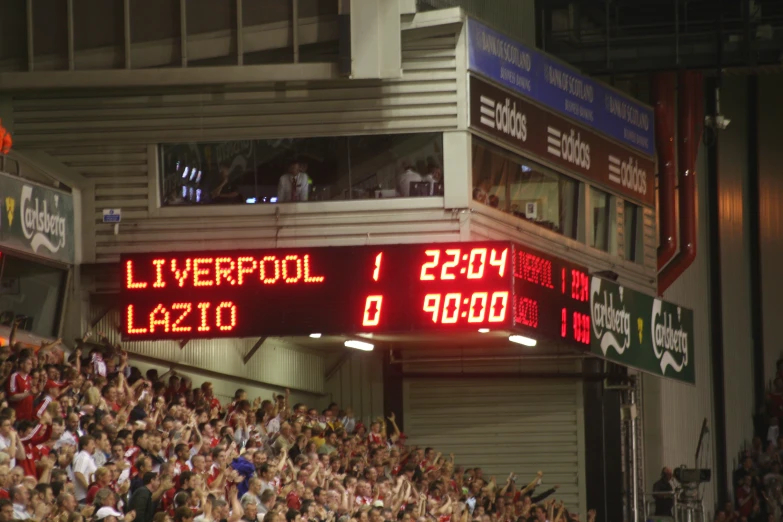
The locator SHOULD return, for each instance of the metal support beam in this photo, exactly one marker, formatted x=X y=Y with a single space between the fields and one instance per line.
x=71 y=60
x=183 y=343
x=249 y=355
x=127 y=30
x=170 y=76
x=183 y=32
x=339 y=364
x=240 y=35
x=295 y=31
x=100 y=317
x=217 y=375
x=30 y=50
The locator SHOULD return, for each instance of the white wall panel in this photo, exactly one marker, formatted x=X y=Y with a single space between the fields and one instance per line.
x=673 y=412
x=504 y=424
x=735 y=268
x=770 y=207
x=357 y=384
x=277 y=362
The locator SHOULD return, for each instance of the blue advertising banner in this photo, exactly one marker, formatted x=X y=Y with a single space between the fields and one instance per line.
x=560 y=87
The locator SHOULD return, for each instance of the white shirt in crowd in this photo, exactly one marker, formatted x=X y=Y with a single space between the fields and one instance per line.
x=405 y=180
x=83 y=463
x=293 y=188
x=5 y=444
x=20 y=512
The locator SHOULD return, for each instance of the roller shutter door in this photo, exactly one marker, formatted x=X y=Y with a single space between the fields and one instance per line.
x=503 y=425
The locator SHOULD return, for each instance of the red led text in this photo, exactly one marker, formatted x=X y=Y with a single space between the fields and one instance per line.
x=218 y=271
x=184 y=318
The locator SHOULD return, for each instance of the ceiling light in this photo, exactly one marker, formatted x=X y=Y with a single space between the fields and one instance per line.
x=521 y=339
x=359 y=345
x=483 y=330
x=315 y=336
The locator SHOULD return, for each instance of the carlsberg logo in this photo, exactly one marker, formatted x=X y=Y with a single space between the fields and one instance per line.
x=42 y=228
x=670 y=343
x=611 y=323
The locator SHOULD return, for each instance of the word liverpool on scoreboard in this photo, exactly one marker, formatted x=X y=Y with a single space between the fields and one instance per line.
x=349 y=290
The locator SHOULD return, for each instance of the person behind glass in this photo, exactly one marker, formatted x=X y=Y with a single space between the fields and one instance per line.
x=405 y=179
x=433 y=176
x=294 y=185
x=224 y=191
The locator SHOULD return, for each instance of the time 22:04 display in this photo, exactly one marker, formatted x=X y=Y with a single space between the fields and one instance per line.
x=454 y=280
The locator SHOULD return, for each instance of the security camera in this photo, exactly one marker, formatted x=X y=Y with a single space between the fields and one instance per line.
x=718 y=122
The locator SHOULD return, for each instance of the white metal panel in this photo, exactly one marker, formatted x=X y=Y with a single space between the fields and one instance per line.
x=735 y=270
x=357 y=384
x=770 y=208
x=673 y=412
x=423 y=98
x=276 y=362
x=504 y=425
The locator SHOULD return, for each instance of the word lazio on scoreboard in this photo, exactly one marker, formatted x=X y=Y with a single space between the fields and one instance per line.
x=349 y=290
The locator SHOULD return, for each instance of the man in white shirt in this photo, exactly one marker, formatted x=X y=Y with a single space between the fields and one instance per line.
x=72 y=432
x=9 y=441
x=294 y=185
x=406 y=178
x=83 y=467
x=20 y=496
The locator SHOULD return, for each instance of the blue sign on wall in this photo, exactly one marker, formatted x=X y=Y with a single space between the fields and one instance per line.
x=560 y=87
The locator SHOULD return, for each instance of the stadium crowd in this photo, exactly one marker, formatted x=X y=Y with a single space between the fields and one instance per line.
x=758 y=479
x=86 y=436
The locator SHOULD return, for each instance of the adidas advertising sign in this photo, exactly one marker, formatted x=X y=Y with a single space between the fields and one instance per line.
x=528 y=129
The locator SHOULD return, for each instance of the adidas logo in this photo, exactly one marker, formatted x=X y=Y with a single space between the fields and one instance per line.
x=504 y=117
x=568 y=146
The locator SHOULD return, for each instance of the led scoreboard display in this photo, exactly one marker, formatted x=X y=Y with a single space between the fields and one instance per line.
x=348 y=290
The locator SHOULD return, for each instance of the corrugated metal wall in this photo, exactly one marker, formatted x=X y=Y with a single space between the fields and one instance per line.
x=503 y=425
x=771 y=214
x=104 y=136
x=674 y=411
x=276 y=362
x=735 y=267
x=357 y=383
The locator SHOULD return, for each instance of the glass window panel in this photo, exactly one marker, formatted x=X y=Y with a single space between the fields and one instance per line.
x=31 y=292
x=599 y=207
x=633 y=232
x=302 y=169
x=530 y=191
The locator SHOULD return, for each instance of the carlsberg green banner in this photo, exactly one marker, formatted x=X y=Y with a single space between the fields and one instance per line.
x=642 y=332
x=36 y=219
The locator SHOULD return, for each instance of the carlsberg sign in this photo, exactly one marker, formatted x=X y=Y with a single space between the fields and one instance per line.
x=36 y=219
x=642 y=332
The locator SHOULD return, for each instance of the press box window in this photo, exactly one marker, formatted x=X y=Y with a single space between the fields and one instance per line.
x=518 y=186
x=302 y=169
x=600 y=211
x=633 y=233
